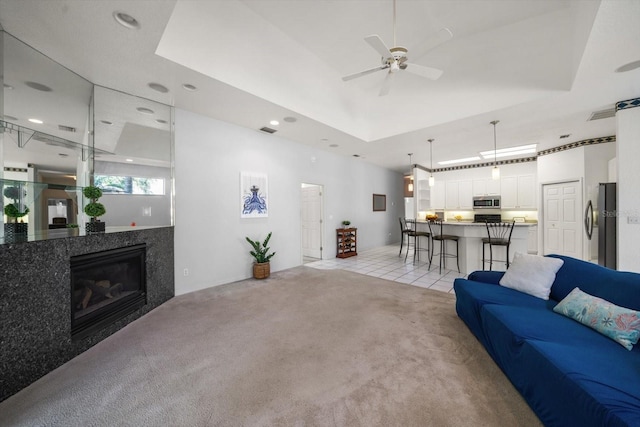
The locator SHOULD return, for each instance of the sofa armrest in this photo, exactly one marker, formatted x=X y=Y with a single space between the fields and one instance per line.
x=487 y=276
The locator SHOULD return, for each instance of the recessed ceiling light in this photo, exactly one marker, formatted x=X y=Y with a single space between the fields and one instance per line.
x=466 y=159
x=356 y=155
x=106 y=122
x=126 y=20
x=129 y=160
x=274 y=122
x=290 y=119
x=145 y=110
x=38 y=86
x=628 y=67
x=161 y=121
x=6 y=86
x=158 y=87
x=36 y=121
x=189 y=87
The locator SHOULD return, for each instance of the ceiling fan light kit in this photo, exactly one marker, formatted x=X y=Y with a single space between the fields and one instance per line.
x=395 y=59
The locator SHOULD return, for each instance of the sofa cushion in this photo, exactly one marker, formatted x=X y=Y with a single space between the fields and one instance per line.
x=618 y=323
x=471 y=296
x=537 y=349
x=619 y=287
x=531 y=274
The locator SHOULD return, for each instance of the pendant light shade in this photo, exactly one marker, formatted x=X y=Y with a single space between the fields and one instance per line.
x=432 y=180
x=495 y=173
x=410 y=185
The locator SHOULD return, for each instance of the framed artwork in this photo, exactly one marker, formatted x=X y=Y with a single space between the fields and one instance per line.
x=379 y=202
x=254 y=195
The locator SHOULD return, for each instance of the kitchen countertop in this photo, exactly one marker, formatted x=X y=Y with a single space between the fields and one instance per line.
x=481 y=224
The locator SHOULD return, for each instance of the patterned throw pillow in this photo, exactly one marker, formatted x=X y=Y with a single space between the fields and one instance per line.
x=618 y=323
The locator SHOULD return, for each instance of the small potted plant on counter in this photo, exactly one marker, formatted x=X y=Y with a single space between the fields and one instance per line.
x=346 y=223
x=94 y=209
x=260 y=252
x=15 y=230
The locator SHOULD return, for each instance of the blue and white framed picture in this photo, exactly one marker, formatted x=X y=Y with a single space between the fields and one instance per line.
x=253 y=195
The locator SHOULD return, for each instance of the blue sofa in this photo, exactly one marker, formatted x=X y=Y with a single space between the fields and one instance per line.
x=569 y=374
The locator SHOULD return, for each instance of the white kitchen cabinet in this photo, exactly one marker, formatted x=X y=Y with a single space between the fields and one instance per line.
x=438 y=195
x=509 y=194
x=486 y=187
x=518 y=192
x=459 y=194
x=465 y=194
x=451 y=196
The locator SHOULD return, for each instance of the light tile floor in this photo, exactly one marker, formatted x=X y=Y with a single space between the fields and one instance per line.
x=385 y=263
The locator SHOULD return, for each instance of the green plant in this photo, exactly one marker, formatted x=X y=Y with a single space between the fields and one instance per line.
x=346 y=223
x=260 y=250
x=94 y=209
x=12 y=210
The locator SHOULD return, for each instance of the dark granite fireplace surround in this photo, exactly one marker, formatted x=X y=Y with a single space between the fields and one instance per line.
x=35 y=309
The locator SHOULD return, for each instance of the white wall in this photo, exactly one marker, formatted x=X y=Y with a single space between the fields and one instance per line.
x=209 y=233
x=628 y=153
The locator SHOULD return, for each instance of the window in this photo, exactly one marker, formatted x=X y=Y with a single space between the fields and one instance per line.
x=110 y=184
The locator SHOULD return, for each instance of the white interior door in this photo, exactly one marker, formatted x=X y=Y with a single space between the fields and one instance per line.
x=562 y=219
x=311 y=220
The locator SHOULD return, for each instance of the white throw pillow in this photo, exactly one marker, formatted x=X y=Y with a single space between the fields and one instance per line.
x=531 y=274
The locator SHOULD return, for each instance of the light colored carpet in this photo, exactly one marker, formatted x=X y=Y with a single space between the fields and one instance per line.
x=305 y=347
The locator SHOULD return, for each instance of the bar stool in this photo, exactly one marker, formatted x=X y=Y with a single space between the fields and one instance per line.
x=498 y=234
x=443 y=238
x=404 y=233
x=416 y=241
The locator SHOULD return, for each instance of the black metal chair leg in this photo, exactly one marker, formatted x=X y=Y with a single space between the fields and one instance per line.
x=457 y=256
x=490 y=257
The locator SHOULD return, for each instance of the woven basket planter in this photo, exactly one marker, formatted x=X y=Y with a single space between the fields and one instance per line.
x=261 y=270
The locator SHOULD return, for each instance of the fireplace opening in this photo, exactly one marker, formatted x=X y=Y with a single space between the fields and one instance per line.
x=105 y=287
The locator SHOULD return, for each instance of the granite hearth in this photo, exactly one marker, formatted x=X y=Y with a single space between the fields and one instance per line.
x=35 y=299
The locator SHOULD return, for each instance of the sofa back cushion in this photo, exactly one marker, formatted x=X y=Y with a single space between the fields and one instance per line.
x=619 y=287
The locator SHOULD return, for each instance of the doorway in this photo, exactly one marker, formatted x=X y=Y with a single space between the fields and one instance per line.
x=562 y=216
x=311 y=221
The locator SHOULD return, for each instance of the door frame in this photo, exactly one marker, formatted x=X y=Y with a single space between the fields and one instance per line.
x=541 y=225
x=322 y=239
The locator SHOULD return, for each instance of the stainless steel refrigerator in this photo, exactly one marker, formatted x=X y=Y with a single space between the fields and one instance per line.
x=607 y=225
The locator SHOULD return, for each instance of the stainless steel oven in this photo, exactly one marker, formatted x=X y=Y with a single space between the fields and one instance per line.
x=486 y=202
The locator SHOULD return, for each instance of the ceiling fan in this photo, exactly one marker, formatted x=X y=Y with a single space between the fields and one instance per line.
x=395 y=59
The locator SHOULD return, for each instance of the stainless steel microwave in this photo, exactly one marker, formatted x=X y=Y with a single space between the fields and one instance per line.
x=486 y=202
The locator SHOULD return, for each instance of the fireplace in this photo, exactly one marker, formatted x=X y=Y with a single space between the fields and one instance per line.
x=105 y=287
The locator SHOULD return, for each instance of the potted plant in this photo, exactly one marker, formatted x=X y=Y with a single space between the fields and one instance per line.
x=260 y=252
x=346 y=223
x=15 y=230
x=94 y=209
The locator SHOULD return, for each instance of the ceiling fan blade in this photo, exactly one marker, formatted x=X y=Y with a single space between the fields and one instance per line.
x=364 y=73
x=376 y=42
x=386 y=85
x=421 y=70
x=431 y=42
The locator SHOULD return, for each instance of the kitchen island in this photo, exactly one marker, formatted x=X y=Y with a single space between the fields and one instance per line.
x=470 y=244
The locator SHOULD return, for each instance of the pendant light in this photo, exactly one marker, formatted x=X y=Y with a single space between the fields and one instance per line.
x=410 y=186
x=495 y=173
x=432 y=180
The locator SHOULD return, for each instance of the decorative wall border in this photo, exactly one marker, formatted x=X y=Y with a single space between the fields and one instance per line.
x=558 y=149
x=578 y=144
x=629 y=103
